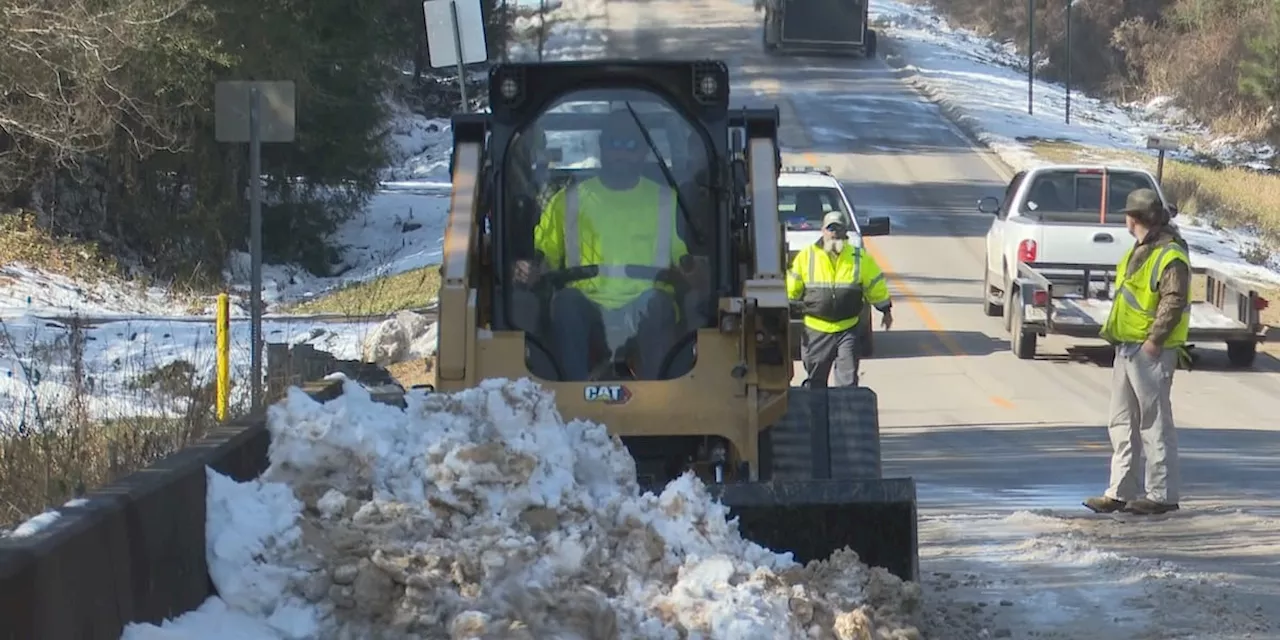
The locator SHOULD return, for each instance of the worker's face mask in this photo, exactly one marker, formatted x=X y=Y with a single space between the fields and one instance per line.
x=834 y=238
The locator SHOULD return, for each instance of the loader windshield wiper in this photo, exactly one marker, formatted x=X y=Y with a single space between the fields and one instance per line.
x=666 y=172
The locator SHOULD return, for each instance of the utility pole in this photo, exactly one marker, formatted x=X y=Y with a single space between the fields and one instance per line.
x=1031 y=54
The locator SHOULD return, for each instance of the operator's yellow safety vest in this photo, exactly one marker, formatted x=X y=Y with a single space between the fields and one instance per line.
x=826 y=286
x=1133 y=309
x=629 y=234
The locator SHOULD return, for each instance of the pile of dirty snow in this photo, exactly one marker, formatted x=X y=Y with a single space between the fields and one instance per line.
x=482 y=514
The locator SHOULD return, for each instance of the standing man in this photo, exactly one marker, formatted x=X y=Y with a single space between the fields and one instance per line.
x=830 y=280
x=1148 y=324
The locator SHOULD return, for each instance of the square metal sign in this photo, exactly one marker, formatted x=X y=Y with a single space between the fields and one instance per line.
x=276 y=110
x=442 y=48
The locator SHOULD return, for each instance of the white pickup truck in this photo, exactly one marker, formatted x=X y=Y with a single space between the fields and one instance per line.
x=1051 y=257
x=1056 y=214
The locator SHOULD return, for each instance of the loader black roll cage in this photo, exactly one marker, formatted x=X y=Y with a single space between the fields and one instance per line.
x=681 y=109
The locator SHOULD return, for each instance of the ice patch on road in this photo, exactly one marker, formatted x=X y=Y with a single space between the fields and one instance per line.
x=485 y=514
x=1005 y=575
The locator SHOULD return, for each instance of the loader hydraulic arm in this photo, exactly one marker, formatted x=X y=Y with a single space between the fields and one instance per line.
x=458 y=292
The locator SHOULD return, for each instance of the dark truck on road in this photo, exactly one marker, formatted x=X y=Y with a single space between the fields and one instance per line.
x=817 y=26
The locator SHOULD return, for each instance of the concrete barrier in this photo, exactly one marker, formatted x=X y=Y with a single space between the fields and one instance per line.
x=134 y=551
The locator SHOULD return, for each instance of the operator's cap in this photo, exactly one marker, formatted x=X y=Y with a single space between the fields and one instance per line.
x=1142 y=201
x=833 y=217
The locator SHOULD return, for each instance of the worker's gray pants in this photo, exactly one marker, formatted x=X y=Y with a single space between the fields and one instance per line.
x=1142 y=426
x=575 y=320
x=821 y=350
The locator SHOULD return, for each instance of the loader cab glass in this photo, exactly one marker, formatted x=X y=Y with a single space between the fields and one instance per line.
x=606 y=283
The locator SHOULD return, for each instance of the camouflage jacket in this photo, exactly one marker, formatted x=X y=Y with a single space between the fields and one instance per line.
x=1175 y=282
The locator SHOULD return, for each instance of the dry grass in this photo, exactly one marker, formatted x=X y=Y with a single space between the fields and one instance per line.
x=414 y=372
x=22 y=239
x=408 y=290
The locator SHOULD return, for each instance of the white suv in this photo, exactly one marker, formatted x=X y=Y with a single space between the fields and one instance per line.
x=805 y=195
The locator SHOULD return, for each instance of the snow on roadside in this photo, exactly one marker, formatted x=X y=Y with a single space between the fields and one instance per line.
x=129 y=369
x=1037 y=574
x=977 y=83
x=485 y=514
x=25 y=289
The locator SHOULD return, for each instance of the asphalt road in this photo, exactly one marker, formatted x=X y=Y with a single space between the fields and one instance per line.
x=1004 y=449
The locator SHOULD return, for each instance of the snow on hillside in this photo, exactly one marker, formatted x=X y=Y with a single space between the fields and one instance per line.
x=983 y=84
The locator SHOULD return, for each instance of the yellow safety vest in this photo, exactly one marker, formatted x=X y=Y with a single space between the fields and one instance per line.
x=1133 y=309
x=630 y=234
x=833 y=293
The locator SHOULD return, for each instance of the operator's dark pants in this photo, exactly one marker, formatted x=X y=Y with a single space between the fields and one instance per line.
x=576 y=321
x=821 y=350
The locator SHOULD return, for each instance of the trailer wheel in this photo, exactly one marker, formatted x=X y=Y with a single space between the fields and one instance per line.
x=870 y=46
x=1241 y=353
x=990 y=308
x=1022 y=341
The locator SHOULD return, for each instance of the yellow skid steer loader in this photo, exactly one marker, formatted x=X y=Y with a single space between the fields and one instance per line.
x=613 y=233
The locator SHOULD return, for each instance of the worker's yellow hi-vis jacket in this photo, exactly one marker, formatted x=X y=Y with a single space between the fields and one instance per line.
x=630 y=234
x=833 y=292
x=1137 y=295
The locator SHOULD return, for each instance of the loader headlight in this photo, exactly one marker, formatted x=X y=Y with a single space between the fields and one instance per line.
x=708 y=86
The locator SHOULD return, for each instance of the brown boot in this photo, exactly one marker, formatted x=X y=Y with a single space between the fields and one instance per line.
x=1145 y=507
x=1104 y=504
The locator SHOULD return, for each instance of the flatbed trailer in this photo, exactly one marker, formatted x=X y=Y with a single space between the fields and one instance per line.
x=1074 y=300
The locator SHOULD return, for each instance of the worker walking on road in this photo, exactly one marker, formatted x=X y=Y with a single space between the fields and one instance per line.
x=830 y=281
x=1148 y=324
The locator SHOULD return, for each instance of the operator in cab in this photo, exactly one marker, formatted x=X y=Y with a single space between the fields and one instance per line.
x=1149 y=321
x=626 y=224
x=829 y=281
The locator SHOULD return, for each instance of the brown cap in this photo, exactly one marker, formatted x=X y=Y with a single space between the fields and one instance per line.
x=1142 y=203
x=833 y=217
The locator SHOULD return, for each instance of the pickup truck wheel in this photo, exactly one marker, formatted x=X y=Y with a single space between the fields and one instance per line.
x=1022 y=341
x=1241 y=353
x=990 y=308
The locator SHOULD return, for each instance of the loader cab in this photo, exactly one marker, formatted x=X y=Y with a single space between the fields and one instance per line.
x=611 y=221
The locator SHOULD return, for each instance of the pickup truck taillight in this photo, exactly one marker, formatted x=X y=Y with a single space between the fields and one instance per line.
x=1260 y=303
x=1027 y=251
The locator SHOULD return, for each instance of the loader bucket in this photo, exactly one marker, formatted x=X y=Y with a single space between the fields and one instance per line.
x=813 y=519
x=823 y=488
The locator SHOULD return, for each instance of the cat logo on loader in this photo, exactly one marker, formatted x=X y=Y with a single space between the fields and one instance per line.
x=607 y=393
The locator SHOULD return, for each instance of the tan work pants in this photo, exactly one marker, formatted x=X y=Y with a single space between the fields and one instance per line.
x=1142 y=426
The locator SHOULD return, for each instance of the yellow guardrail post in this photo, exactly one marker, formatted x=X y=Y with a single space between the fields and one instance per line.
x=224 y=355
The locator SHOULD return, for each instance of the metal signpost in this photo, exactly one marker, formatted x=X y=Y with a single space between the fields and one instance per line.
x=455 y=36
x=255 y=112
x=1162 y=145
x=1069 y=3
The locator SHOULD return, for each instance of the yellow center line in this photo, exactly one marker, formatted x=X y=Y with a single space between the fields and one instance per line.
x=917 y=305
